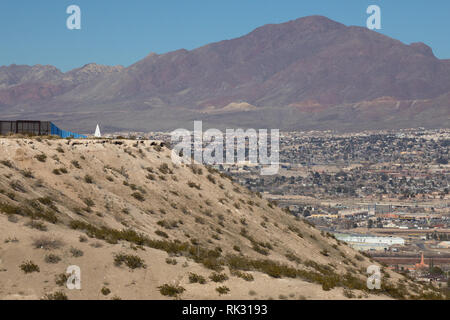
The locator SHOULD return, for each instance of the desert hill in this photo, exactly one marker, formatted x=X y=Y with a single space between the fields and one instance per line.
x=140 y=227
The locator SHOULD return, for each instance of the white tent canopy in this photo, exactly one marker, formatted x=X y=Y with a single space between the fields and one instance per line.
x=97 y=132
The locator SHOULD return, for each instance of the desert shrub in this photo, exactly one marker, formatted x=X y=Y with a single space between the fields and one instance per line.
x=243 y=275
x=131 y=261
x=52 y=258
x=237 y=248
x=171 y=290
x=218 y=277
x=168 y=224
x=193 y=185
x=47 y=243
x=59 y=295
x=60 y=149
x=11 y=195
x=89 y=202
x=216 y=237
x=259 y=249
x=324 y=252
x=196 y=278
x=76 y=252
x=359 y=258
x=17 y=186
x=41 y=157
x=96 y=244
x=7 y=163
x=56 y=172
x=27 y=173
x=196 y=169
x=83 y=238
x=210 y=263
x=138 y=196
x=38 y=225
x=105 y=291
x=27 y=212
x=161 y=234
x=199 y=220
x=211 y=178
x=272 y=268
x=61 y=279
x=29 y=267
x=46 y=201
x=88 y=179
x=348 y=293
x=292 y=257
x=309 y=223
x=164 y=169
x=76 y=164
x=171 y=261
x=223 y=290
x=295 y=230
x=13 y=218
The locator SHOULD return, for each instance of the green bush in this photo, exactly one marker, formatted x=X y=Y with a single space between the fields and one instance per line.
x=29 y=267
x=76 y=164
x=193 y=185
x=61 y=279
x=218 y=277
x=38 y=225
x=7 y=163
x=138 y=196
x=171 y=261
x=41 y=157
x=105 y=291
x=171 y=290
x=162 y=234
x=196 y=278
x=131 y=261
x=52 y=258
x=59 y=295
x=223 y=290
x=88 y=179
x=76 y=252
x=242 y=275
x=47 y=243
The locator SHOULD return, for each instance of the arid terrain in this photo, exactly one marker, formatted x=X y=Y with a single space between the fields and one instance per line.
x=140 y=227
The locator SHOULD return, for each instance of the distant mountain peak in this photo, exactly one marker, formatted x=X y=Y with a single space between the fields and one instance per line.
x=293 y=74
x=422 y=48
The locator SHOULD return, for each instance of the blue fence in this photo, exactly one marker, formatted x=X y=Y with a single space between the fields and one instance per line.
x=65 y=134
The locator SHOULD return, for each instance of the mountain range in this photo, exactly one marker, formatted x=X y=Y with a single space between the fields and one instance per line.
x=305 y=74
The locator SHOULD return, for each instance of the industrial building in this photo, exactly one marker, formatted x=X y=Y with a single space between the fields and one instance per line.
x=369 y=242
x=36 y=128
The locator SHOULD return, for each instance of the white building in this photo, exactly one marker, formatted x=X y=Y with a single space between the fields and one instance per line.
x=368 y=242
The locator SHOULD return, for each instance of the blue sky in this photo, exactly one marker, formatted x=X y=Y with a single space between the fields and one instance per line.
x=124 y=31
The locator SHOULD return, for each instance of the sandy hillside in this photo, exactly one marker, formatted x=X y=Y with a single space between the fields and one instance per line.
x=140 y=227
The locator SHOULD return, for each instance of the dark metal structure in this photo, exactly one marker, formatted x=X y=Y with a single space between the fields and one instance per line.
x=37 y=128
